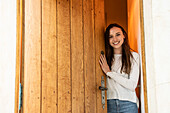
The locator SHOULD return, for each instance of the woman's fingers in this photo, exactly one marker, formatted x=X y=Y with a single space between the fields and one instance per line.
x=101 y=64
x=102 y=58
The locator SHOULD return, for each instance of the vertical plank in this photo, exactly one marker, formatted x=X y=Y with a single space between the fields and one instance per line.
x=77 y=57
x=143 y=55
x=18 y=58
x=22 y=32
x=49 y=57
x=32 y=63
x=100 y=45
x=89 y=56
x=64 y=63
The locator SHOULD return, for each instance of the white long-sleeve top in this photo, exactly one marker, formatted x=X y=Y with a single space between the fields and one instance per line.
x=119 y=85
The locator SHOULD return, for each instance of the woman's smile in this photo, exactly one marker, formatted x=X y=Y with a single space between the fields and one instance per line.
x=116 y=43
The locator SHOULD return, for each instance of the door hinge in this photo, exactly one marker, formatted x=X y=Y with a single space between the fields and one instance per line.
x=20 y=96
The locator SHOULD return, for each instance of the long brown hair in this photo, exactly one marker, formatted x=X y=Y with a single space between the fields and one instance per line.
x=126 y=53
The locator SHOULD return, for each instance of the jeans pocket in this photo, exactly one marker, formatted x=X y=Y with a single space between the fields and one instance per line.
x=129 y=107
x=111 y=106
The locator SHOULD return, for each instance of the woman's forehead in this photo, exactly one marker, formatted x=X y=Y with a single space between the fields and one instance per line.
x=114 y=30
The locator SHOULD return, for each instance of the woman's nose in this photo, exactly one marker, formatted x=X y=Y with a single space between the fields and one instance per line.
x=114 y=39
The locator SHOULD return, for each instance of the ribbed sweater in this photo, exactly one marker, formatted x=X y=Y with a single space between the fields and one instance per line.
x=119 y=85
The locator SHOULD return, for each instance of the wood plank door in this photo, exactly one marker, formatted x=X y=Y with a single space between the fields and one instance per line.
x=63 y=40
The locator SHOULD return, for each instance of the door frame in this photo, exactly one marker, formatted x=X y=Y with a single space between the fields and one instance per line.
x=17 y=73
x=19 y=53
x=143 y=55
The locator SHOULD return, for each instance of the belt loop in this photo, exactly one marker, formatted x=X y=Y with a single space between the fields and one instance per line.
x=117 y=105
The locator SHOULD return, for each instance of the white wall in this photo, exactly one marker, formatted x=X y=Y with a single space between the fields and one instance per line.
x=157 y=39
x=7 y=55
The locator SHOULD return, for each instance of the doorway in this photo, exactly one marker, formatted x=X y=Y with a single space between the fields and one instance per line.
x=128 y=14
x=58 y=38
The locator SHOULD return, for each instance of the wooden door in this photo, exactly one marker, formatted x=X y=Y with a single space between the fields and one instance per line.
x=63 y=40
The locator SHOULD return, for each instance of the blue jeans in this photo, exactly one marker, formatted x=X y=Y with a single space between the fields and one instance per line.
x=121 y=106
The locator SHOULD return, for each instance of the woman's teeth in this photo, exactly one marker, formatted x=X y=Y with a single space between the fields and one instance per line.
x=116 y=43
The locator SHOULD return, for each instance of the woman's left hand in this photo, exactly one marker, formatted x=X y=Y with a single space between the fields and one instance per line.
x=103 y=64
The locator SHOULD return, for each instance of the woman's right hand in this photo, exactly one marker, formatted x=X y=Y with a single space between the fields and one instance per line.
x=103 y=64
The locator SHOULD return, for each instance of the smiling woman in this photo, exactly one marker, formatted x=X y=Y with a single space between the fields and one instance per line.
x=128 y=13
x=121 y=67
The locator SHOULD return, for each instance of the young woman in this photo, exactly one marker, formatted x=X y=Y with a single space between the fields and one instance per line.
x=121 y=67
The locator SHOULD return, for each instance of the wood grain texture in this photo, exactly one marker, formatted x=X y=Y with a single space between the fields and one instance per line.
x=49 y=57
x=100 y=46
x=32 y=63
x=143 y=56
x=89 y=56
x=22 y=31
x=64 y=51
x=18 y=56
x=77 y=57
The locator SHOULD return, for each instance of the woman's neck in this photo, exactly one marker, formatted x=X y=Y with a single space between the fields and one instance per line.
x=118 y=51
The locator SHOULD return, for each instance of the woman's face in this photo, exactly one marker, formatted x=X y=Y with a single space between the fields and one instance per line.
x=116 y=38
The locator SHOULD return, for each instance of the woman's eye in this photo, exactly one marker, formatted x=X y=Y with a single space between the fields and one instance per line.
x=117 y=34
x=110 y=36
